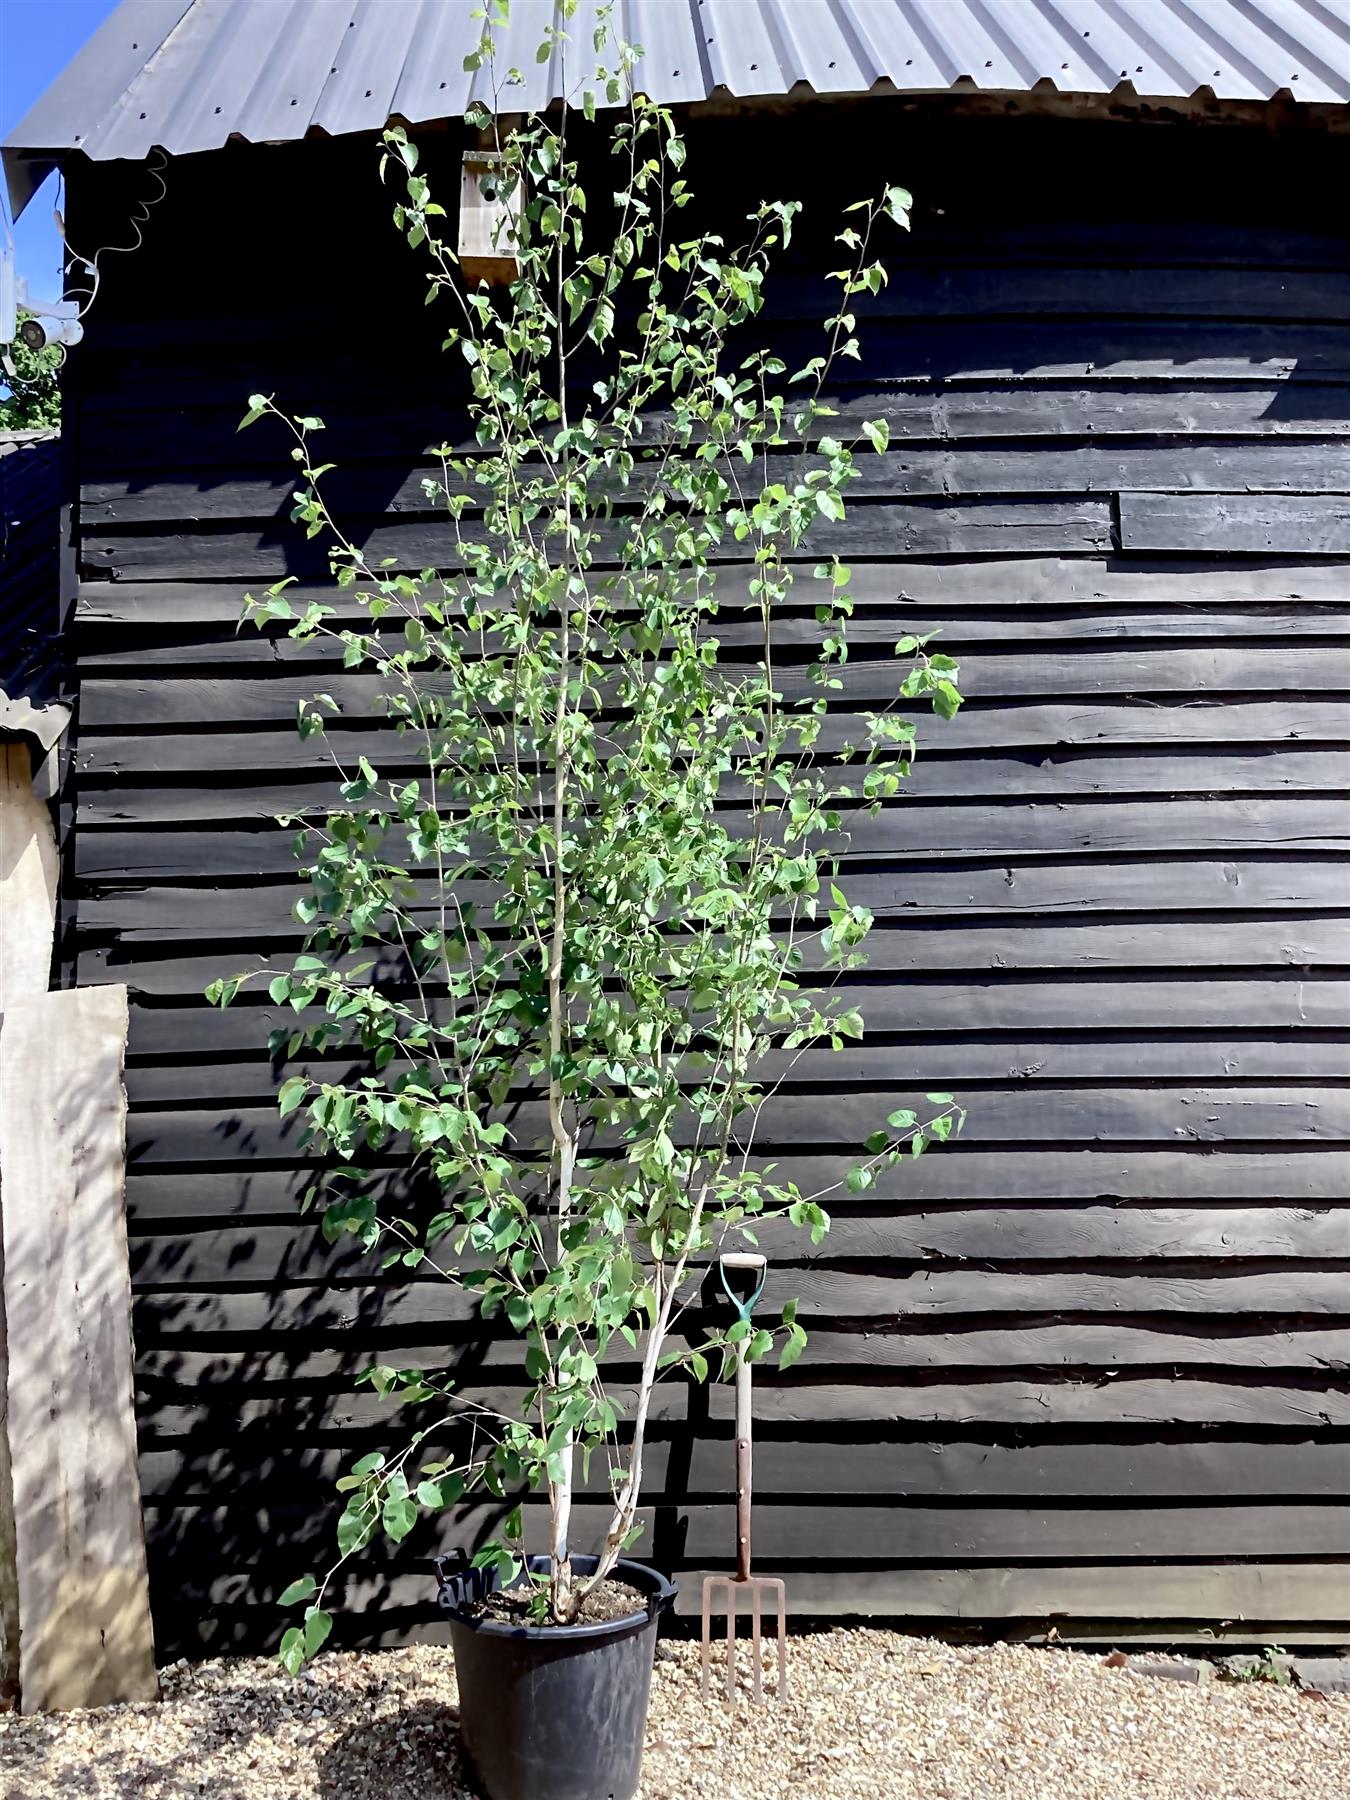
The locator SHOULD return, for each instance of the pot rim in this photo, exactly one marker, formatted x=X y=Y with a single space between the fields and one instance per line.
x=660 y=1591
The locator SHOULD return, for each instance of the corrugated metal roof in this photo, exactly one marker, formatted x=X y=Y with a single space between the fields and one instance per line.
x=186 y=75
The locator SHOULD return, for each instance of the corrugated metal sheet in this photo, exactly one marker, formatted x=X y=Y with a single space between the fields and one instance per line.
x=186 y=75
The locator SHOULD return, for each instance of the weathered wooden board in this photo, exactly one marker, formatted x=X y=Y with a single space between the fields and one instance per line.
x=825 y=1295
x=1230 y=1175
x=1311 y=1591
x=1197 y=1591
x=994 y=352
x=1206 y=1466
x=921 y=287
x=791 y=1534
x=1203 y=1345
x=1315 y=944
x=1091 y=1403
x=904 y=829
x=1181 y=728
x=1063 y=778
x=995 y=583
x=121 y=701
x=249 y=1255
x=1235 y=522
x=915 y=528
x=85 y=1634
x=1296 y=1116
x=794 y=636
x=28 y=880
x=937 y=1062
x=1305 y=467
x=1005 y=1004
x=164 y=433
x=955 y=890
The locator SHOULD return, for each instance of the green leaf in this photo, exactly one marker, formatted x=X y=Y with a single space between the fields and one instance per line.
x=878 y=433
x=318 y=1624
x=292 y=1651
x=898 y=203
x=354 y=1528
x=399 y=1516
x=299 y=1590
x=292 y=1093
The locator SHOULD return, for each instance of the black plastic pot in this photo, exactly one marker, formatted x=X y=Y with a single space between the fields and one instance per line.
x=554 y=1712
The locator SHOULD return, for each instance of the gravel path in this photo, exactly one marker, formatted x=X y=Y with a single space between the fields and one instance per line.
x=872 y=1716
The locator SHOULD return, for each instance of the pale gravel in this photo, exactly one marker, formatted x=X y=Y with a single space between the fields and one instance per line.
x=871 y=1716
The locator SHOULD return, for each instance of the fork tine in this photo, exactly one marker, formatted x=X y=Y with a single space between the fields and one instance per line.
x=754 y=1639
x=707 y=1631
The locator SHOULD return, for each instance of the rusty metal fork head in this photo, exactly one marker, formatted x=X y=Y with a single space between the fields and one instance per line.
x=722 y=1593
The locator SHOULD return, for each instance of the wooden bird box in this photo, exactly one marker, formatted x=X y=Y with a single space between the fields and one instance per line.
x=487 y=220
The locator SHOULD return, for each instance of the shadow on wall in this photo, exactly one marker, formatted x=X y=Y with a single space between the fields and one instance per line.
x=251 y=1334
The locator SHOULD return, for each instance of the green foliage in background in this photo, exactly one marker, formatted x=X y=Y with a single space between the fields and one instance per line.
x=30 y=396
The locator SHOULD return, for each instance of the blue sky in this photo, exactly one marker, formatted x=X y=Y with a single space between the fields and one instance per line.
x=37 y=40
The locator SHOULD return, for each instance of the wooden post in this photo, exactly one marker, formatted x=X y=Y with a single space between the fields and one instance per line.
x=85 y=1636
x=28 y=874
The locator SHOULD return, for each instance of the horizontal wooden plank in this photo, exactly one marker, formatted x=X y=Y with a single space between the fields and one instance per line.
x=1235 y=522
x=879 y=528
x=1126 y=1400
x=952 y=891
x=1202 y=1467
x=1167 y=1176
x=911 y=1351
x=1305 y=1116
x=1068 y=777
x=156 y=430
x=937 y=1061
x=1002 y=350
x=824 y=1294
x=905 y=829
x=919 y=286
x=183 y=1537
x=1176 y=727
x=1316 y=944
x=1302 y=669
x=200 y=1631
x=1305 y=467
x=255 y=1254
x=1076 y=235
x=1059 y=1592
x=195 y=654
x=1005 y=1004
x=1268 y=1591
x=994 y=583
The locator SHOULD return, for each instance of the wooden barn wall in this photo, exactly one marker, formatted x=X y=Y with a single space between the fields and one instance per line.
x=1086 y=1369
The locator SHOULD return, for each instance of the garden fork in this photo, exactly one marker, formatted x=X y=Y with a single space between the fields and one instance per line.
x=758 y=1587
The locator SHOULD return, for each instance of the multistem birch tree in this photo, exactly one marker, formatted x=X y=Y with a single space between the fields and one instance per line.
x=587 y=921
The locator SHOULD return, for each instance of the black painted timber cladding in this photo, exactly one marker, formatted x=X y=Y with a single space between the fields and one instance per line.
x=1089 y=1367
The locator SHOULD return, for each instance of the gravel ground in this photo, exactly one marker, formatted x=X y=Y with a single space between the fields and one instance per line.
x=871 y=1716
